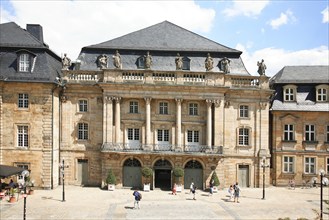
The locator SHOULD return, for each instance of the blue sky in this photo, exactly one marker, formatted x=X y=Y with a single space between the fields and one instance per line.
x=282 y=33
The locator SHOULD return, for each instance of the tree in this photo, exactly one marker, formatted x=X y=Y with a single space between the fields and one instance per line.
x=215 y=178
x=111 y=177
x=178 y=173
x=147 y=172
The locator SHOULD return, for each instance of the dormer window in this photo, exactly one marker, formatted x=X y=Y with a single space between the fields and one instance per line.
x=322 y=93
x=186 y=63
x=141 y=63
x=289 y=93
x=25 y=61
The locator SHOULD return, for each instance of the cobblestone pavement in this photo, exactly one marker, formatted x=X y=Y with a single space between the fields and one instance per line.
x=95 y=203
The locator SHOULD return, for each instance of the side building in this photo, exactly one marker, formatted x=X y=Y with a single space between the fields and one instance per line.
x=163 y=97
x=29 y=103
x=300 y=124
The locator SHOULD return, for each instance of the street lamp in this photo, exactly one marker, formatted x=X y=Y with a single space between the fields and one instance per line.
x=63 y=173
x=25 y=174
x=321 y=173
x=263 y=165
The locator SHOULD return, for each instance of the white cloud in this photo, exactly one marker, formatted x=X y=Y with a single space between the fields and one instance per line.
x=70 y=25
x=275 y=58
x=325 y=13
x=245 y=8
x=285 y=18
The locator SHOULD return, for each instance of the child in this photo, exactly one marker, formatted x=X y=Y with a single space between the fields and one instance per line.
x=138 y=197
x=174 y=189
x=231 y=192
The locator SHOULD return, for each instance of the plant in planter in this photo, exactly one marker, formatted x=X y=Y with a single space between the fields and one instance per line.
x=216 y=182
x=178 y=173
x=111 y=180
x=12 y=197
x=29 y=184
x=147 y=173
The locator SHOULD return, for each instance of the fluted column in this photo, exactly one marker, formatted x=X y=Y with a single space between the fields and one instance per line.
x=179 y=122
x=209 y=120
x=117 y=119
x=148 y=120
x=107 y=119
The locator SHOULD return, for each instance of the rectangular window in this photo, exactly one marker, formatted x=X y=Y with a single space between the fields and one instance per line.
x=192 y=137
x=163 y=108
x=163 y=135
x=243 y=136
x=83 y=106
x=83 y=131
x=288 y=132
x=289 y=94
x=327 y=165
x=23 y=100
x=288 y=164
x=309 y=165
x=193 y=109
x=24 y=63
x=244 y=111
x=22 y=136
x=322 y=95
x=309 y=133
x=133 y=134
x=133 y=107
x=327 y=135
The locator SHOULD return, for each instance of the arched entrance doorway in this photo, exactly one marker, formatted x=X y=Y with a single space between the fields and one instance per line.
x=193 y=172
x=132 y=175
x=162 y=171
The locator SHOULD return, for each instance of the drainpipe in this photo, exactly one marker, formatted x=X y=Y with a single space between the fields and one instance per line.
x=52 y=139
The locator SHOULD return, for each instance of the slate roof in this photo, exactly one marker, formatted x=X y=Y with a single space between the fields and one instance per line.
x=164 y=40
x=13 y=38
x=306 y=78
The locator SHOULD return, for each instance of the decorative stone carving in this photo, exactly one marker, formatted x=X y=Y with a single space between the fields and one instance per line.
x=227 y=104
x=217 y=103
x=63 y=98
x=66 y=62
x=102 y=61
x=225 y=65
x=179 y=100
x=263 y=105
x=209 y=63
x=261 y=68
x=148 y=100
x=117 y=60
x=179 y=62
x=148 y=60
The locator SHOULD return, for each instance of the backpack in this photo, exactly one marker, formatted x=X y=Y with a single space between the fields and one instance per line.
x=139 y=196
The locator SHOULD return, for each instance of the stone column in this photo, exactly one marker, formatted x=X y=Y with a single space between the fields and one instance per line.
x=209 y=120
x=107 y=119
x=148 y=120
x=178 y=123
x=117 y=119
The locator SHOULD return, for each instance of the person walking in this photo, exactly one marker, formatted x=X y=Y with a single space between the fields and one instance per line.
x=174 y=189
x=191 y=187
x=138 y=197
x=237 y=191
x=231 y=192
x=193 y=192
x=211 y=185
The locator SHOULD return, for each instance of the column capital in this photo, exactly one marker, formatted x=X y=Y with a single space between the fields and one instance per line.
x=262 y=105
x=179 y=100
x=116 y=99
x=148 y=100
x=217 y=102
x=209 y=102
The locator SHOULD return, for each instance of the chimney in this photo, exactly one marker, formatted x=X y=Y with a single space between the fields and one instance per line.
x=35 y=30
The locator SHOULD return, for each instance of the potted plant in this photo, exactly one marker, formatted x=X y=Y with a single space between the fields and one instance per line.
x=110 y=180
x=147 y=172
x=216 y=182
x=29 y=184
x=178 y=173
x=12 y=197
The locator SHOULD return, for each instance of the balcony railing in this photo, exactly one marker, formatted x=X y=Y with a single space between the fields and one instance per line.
x=167 y=77
x=155 y=148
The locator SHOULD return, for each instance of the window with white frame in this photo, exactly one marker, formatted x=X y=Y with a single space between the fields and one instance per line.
x=83 y=105
x=309 y=165
x=163 y=136
x=288 y=133
x=309 y=132
x=133 y=107
x=244 y=111
x=243 y=136
x=327 y=165
x=163 y=108
x=133 y=136
x=22 y=136
x=23 y=100
x=288 y=164
x=289 y=93
x=83 y=131
x=192 y=137
x=327 y=134
x=24 y=62
x=25 y=166
x=193 y=109
x=321 y=94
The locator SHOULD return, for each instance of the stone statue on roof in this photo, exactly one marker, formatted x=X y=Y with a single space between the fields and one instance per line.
x=117 y=60
x=209 y=62
x=148 y=60
x=179 y=62
x=102 y=61
x=225 y=65
x=261 y=67
x=66 y=62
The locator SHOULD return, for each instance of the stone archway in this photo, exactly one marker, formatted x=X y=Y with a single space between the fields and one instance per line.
x=132 y=175
x=162 y=174
x=193 y=172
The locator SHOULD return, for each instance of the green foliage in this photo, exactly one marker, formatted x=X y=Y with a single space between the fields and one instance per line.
x=147 y=172
x=215 y=178
x=111 y=177
x=178 y=172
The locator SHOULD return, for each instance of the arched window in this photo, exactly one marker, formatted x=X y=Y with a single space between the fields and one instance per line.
x=192 y=164
x=132 y=163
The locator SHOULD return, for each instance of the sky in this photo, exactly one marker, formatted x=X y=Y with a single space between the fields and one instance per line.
x=283 y=33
